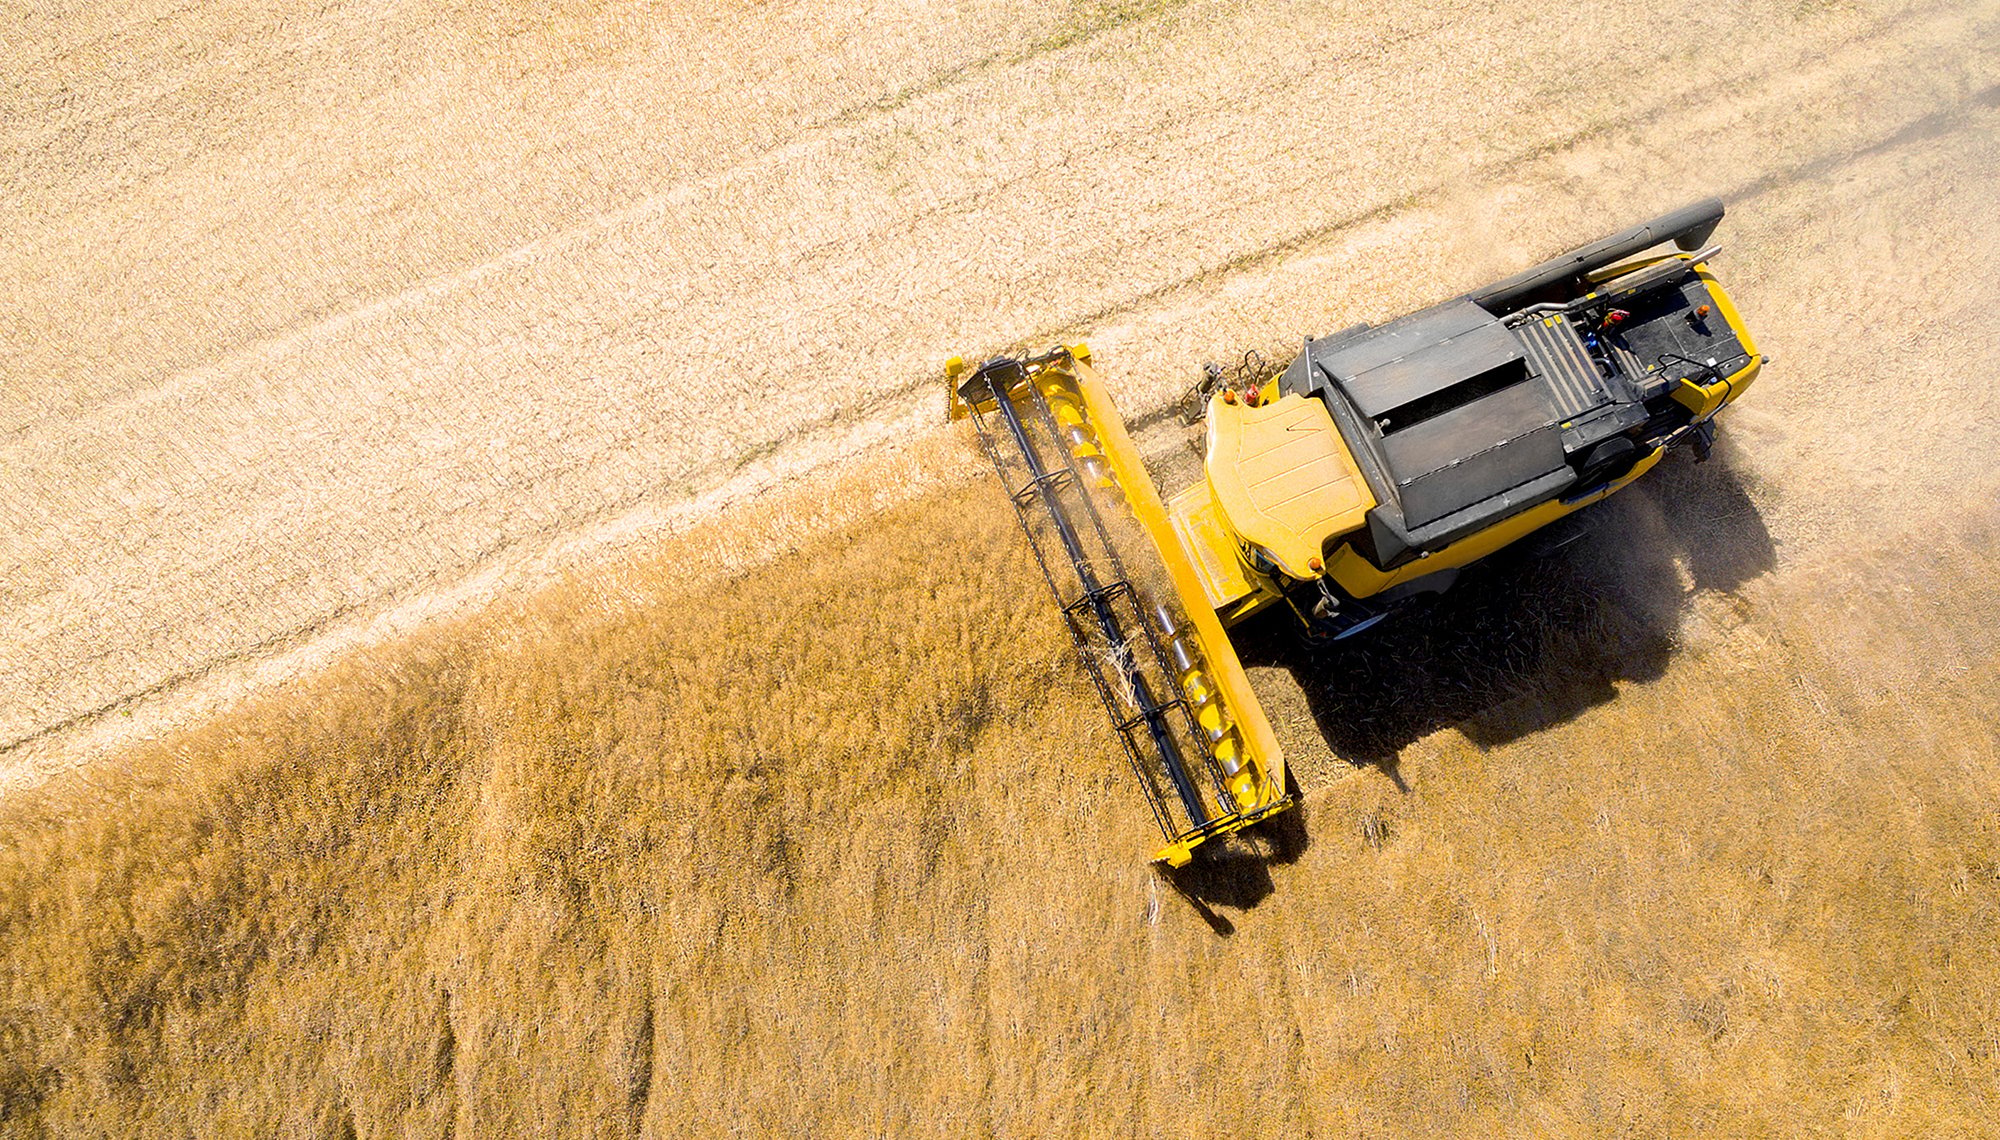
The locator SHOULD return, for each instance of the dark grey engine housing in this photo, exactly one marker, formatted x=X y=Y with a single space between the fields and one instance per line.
x=1473 y=410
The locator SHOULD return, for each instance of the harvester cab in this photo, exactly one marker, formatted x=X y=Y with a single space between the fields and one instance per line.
x=1368 y=471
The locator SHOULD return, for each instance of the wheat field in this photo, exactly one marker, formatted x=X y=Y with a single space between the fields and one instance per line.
x=829 y=846
x=496 y=639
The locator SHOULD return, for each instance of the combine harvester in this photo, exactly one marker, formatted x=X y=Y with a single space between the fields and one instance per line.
x=1367 y=473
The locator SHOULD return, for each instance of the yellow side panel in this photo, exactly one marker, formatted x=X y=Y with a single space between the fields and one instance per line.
x=1706 y=400
x=1360 y=578
x=1283 y=479
x=1200 y=528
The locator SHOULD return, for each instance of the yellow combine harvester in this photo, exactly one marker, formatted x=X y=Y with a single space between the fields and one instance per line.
x=1366 y=473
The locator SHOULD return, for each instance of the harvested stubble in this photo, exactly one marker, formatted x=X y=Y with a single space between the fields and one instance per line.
x=837 y=846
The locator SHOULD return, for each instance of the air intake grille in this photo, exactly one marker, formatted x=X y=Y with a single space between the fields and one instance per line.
x=1559 y=355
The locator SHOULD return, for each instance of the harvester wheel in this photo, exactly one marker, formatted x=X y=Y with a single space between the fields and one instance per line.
x=1607 y=461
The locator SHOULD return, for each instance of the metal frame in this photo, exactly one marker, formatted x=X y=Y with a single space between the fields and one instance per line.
x=1155 y=732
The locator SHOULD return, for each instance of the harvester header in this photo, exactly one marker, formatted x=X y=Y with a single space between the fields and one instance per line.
x=1198 y=744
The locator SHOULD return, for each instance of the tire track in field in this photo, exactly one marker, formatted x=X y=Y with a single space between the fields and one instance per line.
x=827 y=412
x=835 y=437
x=271 y=40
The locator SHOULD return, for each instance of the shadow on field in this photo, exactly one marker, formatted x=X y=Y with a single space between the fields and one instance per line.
x=1237 y=872
x=1539 y=632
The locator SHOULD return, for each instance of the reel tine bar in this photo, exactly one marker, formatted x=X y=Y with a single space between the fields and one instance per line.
x=1103 y=610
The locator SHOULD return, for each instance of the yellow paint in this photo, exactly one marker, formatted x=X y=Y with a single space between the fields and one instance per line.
x=1263 y=791
x=1210 y=547
x=1282 y=478
x=1359 y=577
x=1226 y=711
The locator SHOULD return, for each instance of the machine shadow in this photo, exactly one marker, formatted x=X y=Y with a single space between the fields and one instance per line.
x=1237 y=872
x=1537 y=633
